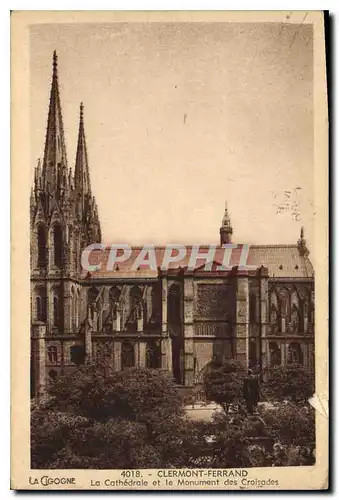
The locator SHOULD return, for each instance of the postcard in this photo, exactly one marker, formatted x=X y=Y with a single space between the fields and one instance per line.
x=169 y=251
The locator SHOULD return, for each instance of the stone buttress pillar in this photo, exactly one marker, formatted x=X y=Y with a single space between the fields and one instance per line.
x=242 y=319
x=142 y=354
x=39 y=335
x=264 y=354
x=166 y=345
x=117 y=355
x=188 y=331
x=88 y=344
x=67 y=307
x=116 y=320
x=304 y=351
x=283 y=353
x=49 y=306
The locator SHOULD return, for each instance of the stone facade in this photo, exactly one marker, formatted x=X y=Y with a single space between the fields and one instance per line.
x=175 y=320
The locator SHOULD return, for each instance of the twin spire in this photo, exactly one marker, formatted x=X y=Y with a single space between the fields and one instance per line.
x=55 y=170
x=56 y=189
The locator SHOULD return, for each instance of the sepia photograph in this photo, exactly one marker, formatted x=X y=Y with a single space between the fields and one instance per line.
x=172 y=283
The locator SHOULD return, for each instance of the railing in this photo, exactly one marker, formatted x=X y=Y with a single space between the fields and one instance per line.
x=212 y=329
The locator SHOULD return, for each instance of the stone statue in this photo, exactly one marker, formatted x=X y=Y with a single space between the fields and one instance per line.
x=251 y=391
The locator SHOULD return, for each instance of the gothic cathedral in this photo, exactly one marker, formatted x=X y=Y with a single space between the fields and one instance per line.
x=175 y=320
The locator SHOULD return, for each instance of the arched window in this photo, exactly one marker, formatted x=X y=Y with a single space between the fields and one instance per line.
x=52 y=354
x=127 y=355
x=135 y=296
x=40 y=304
x=114 y=293
x=274 y=315
x=275 y=354
x=58 y=244
x=296 y=319
x=295 y=354
x=285 y=304
x=174 y=304
x=77 y=355
x=92 y=294
x=156 y=305
x=253 y=308
x=135 y=303
x=41 y=246
x=153 y=354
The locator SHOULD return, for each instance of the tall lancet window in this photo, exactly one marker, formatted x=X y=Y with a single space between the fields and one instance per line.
x=58 y=243
x=40 y=304
x=41 y=246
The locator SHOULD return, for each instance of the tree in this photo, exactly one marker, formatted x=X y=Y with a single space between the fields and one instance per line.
x=127 y=419
x=291 y=382
x=223 y=382
x=291 y=424
x=51 y=432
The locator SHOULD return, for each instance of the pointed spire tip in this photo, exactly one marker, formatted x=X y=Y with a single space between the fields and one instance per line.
x=81 y=111
x=55 y=63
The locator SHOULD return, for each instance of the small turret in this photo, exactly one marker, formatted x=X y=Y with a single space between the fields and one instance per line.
x=226 y=229
x=302 y=246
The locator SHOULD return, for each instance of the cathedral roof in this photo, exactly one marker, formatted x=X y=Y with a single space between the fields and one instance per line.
x=282 y=261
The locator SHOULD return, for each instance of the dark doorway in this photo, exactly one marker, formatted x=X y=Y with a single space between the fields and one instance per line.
x=178 y=358
x=153 y=354
x=127 y=355
x=77 y=353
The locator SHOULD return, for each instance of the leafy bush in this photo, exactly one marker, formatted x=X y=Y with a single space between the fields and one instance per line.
x=290 y=382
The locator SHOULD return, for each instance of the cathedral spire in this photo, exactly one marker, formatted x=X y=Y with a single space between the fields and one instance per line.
x=81 y=173
x=226 y=229
x=55 y=148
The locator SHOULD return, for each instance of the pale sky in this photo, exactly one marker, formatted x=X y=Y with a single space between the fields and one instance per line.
x=180 y=118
